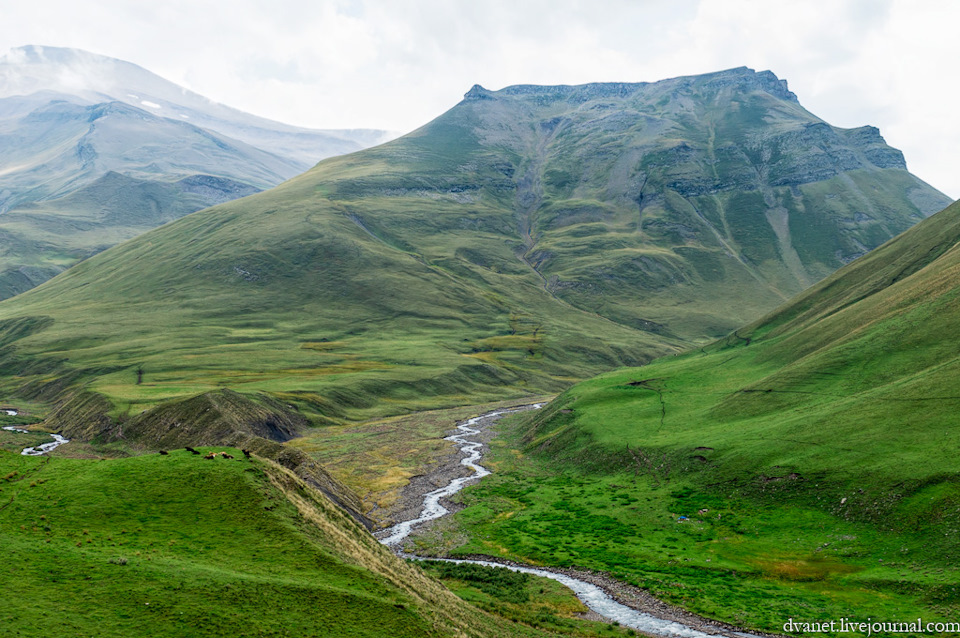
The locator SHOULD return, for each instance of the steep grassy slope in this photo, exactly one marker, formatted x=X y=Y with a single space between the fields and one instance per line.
x=181 y=546
x=810 y=453
x=291 y=292
x=525 y=239
x=38 y=240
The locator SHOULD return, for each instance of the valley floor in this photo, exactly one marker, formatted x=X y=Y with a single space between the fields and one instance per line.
x=674 y=548
x=655 y=541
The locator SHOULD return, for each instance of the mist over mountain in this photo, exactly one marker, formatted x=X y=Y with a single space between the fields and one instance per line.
x=97 y=78
x=69 y=119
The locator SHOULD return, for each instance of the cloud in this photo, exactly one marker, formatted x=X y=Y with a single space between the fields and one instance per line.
x=398 y=63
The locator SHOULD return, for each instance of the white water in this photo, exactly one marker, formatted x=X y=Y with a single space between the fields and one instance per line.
x=432 y=508
x=591 y=595
x=597 y=600
x=11 y=413
x=11 y=428
x=46 y=447
x=40 y=449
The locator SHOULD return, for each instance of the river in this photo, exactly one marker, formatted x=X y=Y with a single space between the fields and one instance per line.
x=593 y=596
x=40 y=449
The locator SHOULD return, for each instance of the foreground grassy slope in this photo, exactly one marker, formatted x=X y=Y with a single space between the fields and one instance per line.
x=807 y=453
x=181 y=546
x=526 y=239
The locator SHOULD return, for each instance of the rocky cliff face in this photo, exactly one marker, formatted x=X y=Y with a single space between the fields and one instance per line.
x=697 y=179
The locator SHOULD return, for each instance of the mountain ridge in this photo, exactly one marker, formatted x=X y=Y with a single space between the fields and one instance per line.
x=742 y=77
x=513 y=245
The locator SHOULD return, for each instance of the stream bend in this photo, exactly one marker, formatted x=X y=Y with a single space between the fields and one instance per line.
x=591 y=595
x=40 y=449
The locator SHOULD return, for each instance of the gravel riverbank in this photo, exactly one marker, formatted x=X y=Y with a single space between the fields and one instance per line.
x=473 y=436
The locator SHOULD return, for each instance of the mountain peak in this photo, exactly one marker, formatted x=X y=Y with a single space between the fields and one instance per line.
x=90 y=78
x=31 y=68
x=740 y=79
x=477 y=92
x=35 y=53
x=747 y=78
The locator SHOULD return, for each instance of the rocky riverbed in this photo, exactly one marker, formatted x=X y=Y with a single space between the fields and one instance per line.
x=425 y=503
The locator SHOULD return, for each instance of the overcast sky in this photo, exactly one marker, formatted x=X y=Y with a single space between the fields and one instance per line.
x=396 y=64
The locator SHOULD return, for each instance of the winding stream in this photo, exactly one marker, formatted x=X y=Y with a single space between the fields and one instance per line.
x=40 y=449
x=432 y=509
x=592 y=596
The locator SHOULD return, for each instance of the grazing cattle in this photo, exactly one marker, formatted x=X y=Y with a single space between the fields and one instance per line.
x=212 y=455
x=190 y=449
x=164 y=452
x=246 y=453
x=226 y=456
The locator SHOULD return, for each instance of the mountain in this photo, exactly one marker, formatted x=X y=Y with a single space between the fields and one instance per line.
x=810 y=452
x=97 y=79
x=73 y=125
x=523 y=240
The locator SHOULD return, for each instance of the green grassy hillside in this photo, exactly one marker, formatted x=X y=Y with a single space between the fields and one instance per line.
x=809 y=453
x=181 y=546
x=526 y=239
x=38 y=240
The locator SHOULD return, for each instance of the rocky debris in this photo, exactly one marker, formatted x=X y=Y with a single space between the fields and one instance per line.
x=245 y=274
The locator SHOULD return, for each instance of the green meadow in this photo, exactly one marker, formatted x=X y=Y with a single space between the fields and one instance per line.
x=178 y=545
x=523 y=242
x=801 y=467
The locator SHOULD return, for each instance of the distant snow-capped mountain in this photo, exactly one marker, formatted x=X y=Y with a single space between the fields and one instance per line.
x=94 y=151
x=97 y=78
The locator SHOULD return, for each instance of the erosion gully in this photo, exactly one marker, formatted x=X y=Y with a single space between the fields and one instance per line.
x=594 y=596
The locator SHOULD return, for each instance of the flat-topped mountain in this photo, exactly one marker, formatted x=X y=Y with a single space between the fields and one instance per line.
x=695 y=180
x=524 y=239
x=74 y=124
